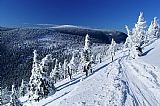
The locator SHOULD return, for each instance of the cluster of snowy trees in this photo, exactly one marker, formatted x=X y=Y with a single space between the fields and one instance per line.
x=44 y=75
x=140 y=36
x=13 y=95
x=46 y=72
x=40 y=83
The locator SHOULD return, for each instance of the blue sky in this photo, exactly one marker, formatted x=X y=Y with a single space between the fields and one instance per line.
x=109 y=14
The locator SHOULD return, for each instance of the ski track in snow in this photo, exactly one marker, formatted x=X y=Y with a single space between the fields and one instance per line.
x=142 y=82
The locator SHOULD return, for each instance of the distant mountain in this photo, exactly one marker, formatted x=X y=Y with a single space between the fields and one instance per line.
x=5 y=29
x=17 y=45
x=103 y=35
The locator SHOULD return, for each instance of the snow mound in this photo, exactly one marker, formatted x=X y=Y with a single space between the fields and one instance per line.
x=152 y=54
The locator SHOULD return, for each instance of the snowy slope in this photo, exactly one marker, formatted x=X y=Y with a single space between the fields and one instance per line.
x=122 y=82
x=152 y=53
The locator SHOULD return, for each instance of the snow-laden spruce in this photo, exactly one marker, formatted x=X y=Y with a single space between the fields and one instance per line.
x=71 y=66
x=46 y=85
x=14 y=101
x=22 y=89
x=128 y=42
x=153 y=30
x=138 y=32
x=140 y=36
x=55 y=73
x=112 y=49
x=40 y=84
x=47 y=64
x=86 y=56
x=61 y=71
x=34 y=87
x=65 y=68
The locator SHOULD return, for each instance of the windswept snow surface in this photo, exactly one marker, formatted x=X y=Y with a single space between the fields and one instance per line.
x=122 y=82
x=152 y=54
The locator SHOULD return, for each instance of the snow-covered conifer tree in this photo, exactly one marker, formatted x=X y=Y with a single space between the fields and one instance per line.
x=33 y=88
x=46 y=84
x=55 y=75
x=72 y=63
x=22 y=89
x=14 y=101
x=87 y=43
x=65 y=65
x=86 y=55
x=154 y=29
x=71 y=66
x=5 y=95
x=150 y=32
x=61 y=71
x=112 y=49
x=128 y=39
x=93 y=59
x=40 y=84
x=139 y=33
x=77 y=61
x=129 y=43
x=47 y=63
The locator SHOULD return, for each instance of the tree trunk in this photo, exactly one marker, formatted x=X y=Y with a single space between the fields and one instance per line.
x=69 y=73
x=91 y=70
x=112 y=58
x=86 y=72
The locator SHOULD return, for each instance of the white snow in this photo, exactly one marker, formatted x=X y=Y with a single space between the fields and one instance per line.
x=122 y=82
x=66 y=26
x=152 y=54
